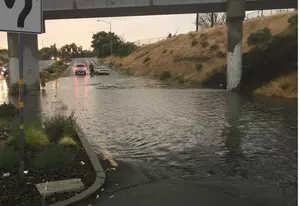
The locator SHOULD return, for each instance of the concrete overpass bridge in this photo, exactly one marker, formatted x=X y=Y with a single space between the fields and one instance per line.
x=67 y=9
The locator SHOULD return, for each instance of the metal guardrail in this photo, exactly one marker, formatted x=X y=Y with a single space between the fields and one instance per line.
x=261 y=13
x=143 y=42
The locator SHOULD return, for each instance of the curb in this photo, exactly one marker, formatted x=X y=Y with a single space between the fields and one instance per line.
x=100 y=174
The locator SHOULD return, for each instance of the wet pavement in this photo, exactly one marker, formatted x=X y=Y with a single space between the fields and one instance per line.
x=245 y=145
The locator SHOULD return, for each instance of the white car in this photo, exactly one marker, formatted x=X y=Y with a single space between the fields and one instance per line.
x=102 y=70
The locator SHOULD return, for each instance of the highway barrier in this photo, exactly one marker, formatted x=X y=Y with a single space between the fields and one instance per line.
x=43 y=81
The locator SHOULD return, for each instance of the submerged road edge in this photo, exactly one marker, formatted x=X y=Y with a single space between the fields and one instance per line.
x=100 y=174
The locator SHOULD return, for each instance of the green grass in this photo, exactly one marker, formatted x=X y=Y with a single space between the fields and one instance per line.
x=67 y=141
x=36 y=138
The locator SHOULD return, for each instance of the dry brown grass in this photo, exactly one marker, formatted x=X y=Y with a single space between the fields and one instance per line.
x=286 y=86
x=181 y=54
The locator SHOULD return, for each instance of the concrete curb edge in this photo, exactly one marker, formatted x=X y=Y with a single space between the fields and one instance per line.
x=100 y=174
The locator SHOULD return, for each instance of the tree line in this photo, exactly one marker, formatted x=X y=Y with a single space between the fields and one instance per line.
x=66 y=51
x=103 y=43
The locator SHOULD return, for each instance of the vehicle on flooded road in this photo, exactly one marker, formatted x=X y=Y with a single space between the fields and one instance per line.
x=80 y=69
x=101 y=70
x=4 y=70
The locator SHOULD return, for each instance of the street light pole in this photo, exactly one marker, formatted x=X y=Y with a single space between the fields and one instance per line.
x=110 y=42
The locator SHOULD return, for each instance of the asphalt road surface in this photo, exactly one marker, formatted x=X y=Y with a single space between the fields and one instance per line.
x=179 y=146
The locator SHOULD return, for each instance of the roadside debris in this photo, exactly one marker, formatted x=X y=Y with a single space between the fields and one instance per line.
x=111 y=196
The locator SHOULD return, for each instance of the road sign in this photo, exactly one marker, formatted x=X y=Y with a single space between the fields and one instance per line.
x=21 y=16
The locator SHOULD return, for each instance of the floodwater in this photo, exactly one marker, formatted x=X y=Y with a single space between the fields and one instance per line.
x=250 y=142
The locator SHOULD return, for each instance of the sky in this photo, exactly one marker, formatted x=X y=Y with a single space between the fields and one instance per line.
x=131 y=29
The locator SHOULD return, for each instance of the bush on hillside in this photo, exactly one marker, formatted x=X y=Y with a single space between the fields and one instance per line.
x=165 y=75
x=261 y=38
x=194 y=42
x=293 y=21
x=147 y=59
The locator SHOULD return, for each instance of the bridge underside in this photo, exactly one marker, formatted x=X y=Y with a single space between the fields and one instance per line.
x=162 y=9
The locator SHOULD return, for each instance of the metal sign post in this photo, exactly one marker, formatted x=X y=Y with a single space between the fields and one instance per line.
x=22 y=16
x=21 y=105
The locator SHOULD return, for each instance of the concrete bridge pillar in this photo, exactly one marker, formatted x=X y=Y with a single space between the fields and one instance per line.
x=31 y=60
x=235 y=17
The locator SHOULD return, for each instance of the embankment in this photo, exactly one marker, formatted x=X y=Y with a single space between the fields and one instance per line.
x=199 y=58
x=55 y=71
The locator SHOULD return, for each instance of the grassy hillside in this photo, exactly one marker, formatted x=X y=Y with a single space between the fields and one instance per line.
x=200 y=57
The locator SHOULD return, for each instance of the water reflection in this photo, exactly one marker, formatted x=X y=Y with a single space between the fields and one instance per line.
x=233 y=135
x=76 y=89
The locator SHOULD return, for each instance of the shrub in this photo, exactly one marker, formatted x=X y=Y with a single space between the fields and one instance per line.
x=67 y=141
x=128 y=71
x=165 y=75
x=147 y=59
x=204 y=44
x=293 y=21
x=8 y=110
x=8 y=158
x=36 y=138
x=214 y=47
x=59 y=63
x=260 y=37
x=199 y=67
x=194 y=42
x=220 y=54
x=164 y=51
x=58 y=126
x=54 y=158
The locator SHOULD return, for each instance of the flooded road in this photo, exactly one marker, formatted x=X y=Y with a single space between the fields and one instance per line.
x=249 y=144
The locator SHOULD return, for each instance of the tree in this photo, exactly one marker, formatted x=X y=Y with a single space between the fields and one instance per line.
x=209 y=20
x=125 y=49
x=71 y=50
x=101 y=43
